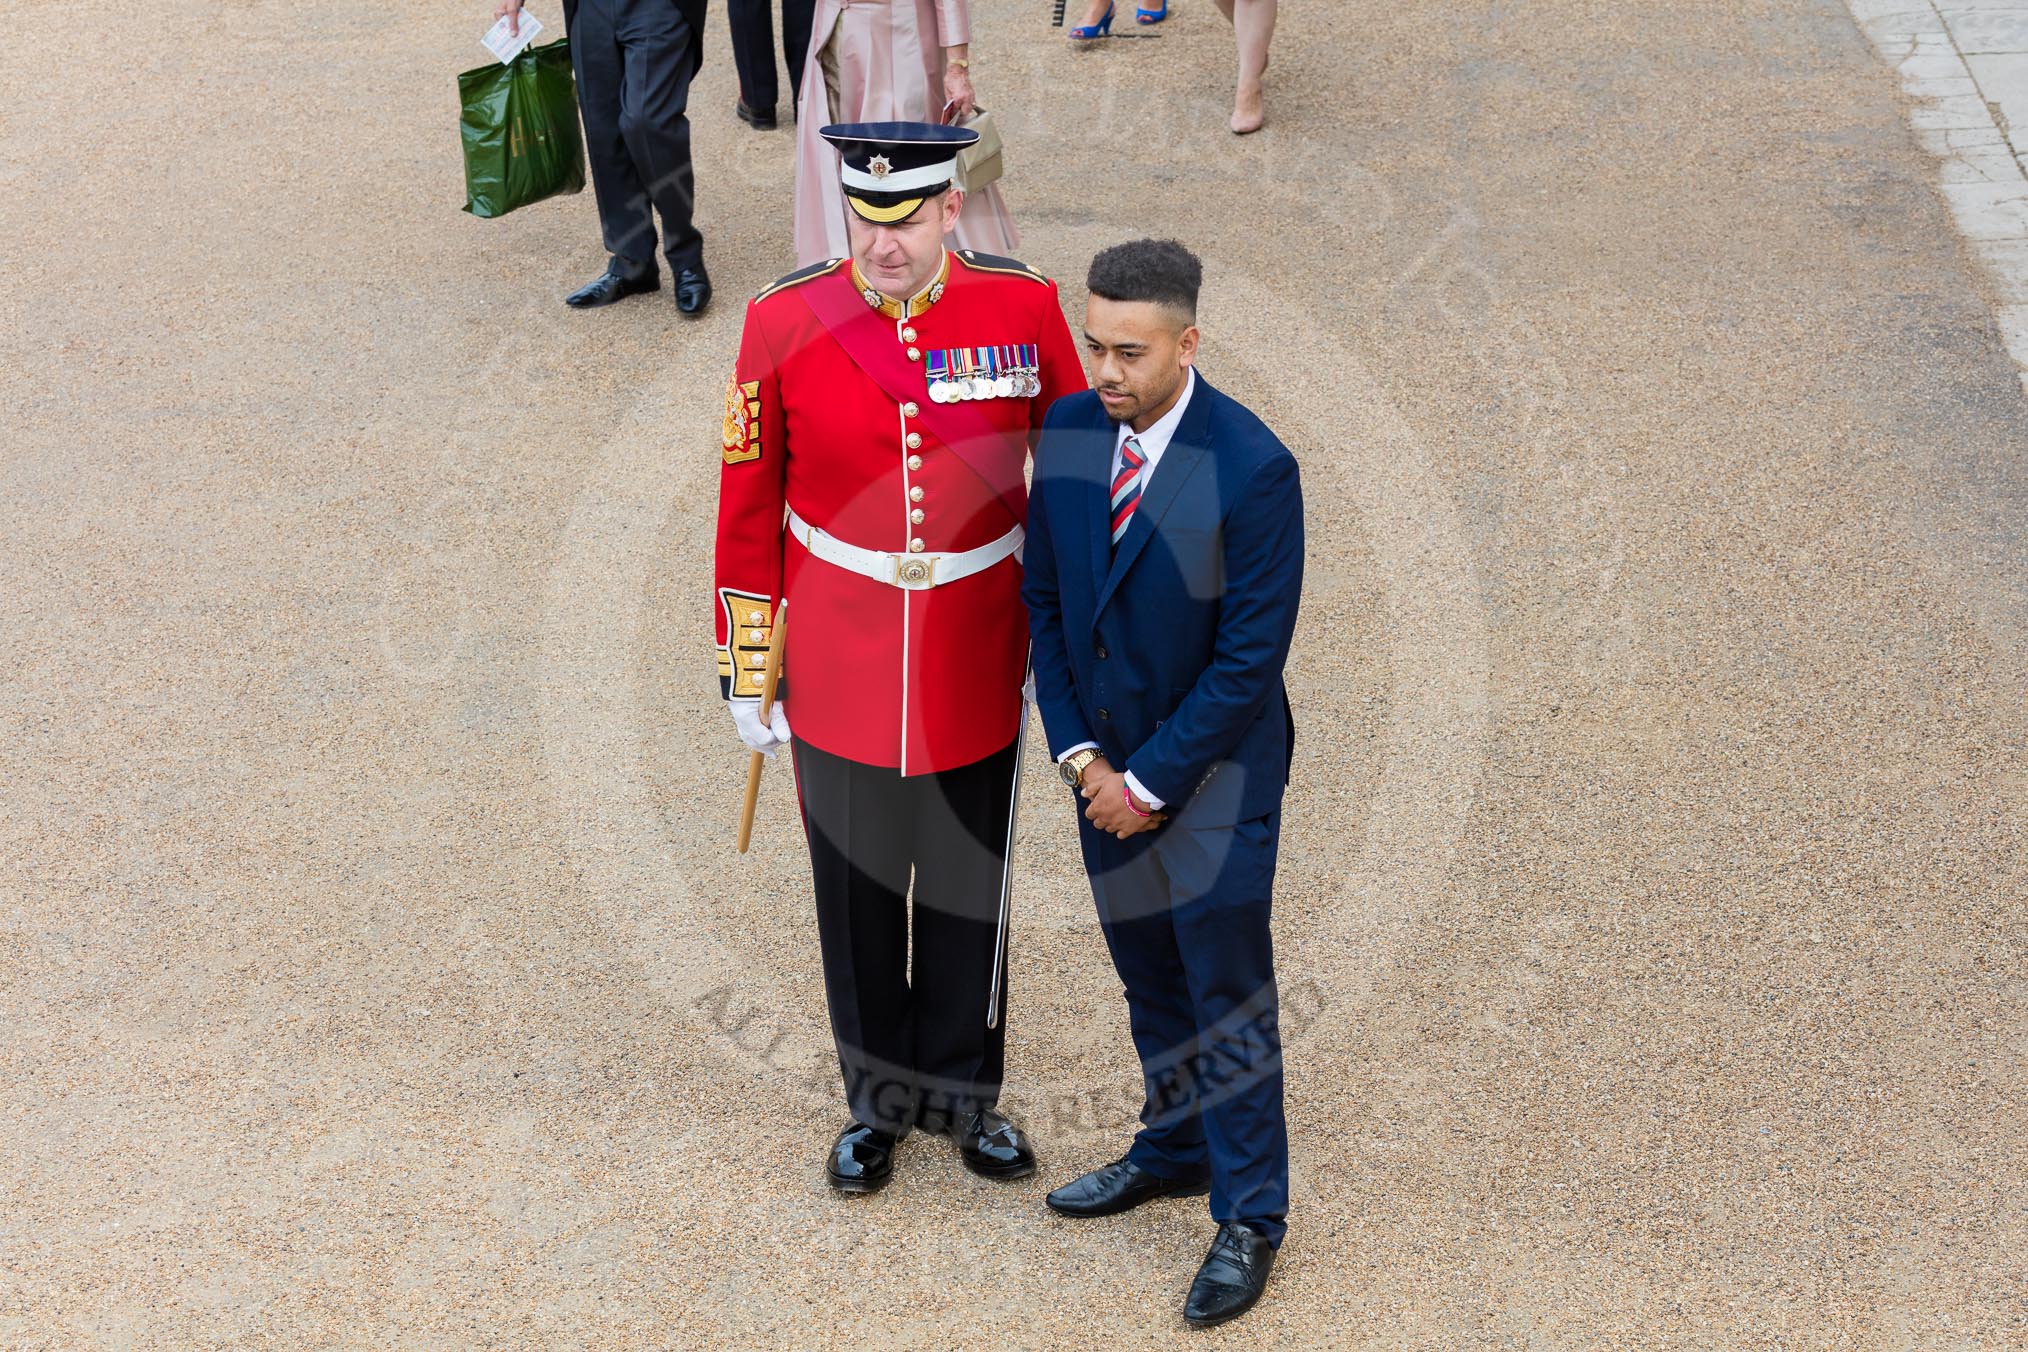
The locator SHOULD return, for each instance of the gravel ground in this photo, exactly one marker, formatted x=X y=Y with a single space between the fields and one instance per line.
x=379 y=970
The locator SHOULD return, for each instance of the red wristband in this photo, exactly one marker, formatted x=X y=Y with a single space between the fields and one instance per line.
x=1128 y=794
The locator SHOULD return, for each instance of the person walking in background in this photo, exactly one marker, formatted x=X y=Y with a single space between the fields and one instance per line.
x=1164 y=572
x=886 y=61
x=753 y=56
x=1098 y=20
x=634 y=61
x=1253 y=26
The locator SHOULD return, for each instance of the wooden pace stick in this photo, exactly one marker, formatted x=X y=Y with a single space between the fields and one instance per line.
x=1007 y=864
x=770 y=674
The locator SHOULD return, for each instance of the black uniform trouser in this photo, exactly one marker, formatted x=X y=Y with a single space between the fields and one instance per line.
x=634 y=60
x=910 y=1036
x=753 y=47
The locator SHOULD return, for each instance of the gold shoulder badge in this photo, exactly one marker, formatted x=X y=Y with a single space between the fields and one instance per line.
x=742 y=421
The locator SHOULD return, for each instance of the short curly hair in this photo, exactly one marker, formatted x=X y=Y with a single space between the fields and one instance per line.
x=1158 y=270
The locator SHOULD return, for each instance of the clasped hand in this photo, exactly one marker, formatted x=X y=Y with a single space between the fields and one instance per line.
x=1105 y=792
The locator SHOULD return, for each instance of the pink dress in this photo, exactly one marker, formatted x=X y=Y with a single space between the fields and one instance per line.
x=890 y=63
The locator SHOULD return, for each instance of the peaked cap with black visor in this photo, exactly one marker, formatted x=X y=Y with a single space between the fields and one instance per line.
x=889 y=169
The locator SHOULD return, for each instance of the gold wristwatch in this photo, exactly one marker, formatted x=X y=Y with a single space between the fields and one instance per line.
x=1072 y=767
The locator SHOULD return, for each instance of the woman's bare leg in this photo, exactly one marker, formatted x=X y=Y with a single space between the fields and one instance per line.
x=1253 y=24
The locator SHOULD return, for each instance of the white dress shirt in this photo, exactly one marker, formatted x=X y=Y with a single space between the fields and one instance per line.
x=1152 y=442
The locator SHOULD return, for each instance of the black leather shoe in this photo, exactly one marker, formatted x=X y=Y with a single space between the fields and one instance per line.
x=1112 y=1188
x=693 y=291
x=759 y=121
x=990 y=1145
x=611 y=286
x=862 y=1158
x=1234 y=1274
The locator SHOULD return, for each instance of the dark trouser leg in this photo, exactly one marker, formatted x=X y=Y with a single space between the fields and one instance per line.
x=655 y=50
x=857 y=821
x=624 y=218
x=1222 y=881
x=753 y=52
x=1132 y=893
x=961 y=848
x=798 y=18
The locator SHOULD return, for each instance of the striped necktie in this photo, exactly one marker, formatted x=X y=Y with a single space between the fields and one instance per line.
x=1127 y=487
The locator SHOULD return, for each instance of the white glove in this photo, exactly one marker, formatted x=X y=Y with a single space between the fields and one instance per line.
x=759 y=735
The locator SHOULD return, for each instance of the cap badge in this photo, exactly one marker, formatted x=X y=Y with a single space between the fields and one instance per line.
x=880 y=166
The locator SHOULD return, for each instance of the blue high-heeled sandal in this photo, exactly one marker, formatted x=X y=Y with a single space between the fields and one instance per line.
x=1152 y=15
x=1091 y=32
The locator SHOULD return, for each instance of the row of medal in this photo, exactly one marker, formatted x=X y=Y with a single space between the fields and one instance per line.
x=961 y=373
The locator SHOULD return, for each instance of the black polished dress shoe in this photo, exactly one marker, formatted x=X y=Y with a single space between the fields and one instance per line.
x=611 y=286
x=754 y=118
x=989 y=1144
x=862 y=1158
x=693 y=291
x=1234 y=1274
x=1112 y=1188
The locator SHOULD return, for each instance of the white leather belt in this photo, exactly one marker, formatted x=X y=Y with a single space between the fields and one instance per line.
x=910 y=572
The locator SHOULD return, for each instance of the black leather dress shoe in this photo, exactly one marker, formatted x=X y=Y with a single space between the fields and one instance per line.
x=862 y=1158
x=693 y=291
x=989 y=1144
x=1112 y=1188
x=1234 y=1274
x=611 y=286
x=759 y=121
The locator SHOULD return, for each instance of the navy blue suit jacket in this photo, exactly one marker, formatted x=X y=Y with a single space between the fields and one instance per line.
x=1168 y=652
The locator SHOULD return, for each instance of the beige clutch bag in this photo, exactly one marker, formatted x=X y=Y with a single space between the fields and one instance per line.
x=979 y=163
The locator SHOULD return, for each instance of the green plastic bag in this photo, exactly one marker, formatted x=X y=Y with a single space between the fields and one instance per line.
x=519 y=124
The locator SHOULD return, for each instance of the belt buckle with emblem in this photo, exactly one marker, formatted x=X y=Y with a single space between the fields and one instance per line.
x=914 y=572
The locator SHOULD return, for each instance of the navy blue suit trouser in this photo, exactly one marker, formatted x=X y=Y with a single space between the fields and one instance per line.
x=634 y=60
x=1185 y=915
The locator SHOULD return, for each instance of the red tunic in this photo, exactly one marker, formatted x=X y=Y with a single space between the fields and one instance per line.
x=919 y=680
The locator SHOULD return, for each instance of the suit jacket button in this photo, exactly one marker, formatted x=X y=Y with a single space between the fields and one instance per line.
x=1106 y=714
x=1102 y=652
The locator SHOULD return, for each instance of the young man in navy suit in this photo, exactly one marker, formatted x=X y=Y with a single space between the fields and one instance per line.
x=1164 y=566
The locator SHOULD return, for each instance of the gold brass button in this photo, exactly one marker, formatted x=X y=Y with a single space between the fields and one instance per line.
x=908 y=334
x=915 y=494
x=915 y=546
x=754 y=617
x=914 y=354
x=912 y=440
x=915 y=517
x=909 y=409
x=915 y=462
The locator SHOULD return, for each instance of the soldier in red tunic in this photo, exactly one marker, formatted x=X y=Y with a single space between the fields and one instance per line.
x=877 y=427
